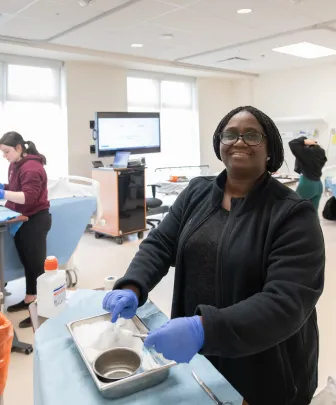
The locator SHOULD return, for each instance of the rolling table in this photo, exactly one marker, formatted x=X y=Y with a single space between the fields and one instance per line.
x=17 y=345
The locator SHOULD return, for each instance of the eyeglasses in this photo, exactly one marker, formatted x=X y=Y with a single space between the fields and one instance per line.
x=249 y=138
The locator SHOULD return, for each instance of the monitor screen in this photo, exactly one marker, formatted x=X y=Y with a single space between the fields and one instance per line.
x=133 y=132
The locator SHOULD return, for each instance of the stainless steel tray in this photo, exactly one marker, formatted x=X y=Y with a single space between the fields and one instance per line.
x=140 y=381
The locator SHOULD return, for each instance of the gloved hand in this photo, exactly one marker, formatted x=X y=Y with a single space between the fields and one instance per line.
x=1 y=186
x=179 y=339
x=2 y=194
x=121 y=302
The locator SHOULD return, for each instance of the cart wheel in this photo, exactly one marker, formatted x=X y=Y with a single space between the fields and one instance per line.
x=29 y=351
x=140 y=235
x=68 y=279
x=120 y=240
x=98 y=235
x=75 y=277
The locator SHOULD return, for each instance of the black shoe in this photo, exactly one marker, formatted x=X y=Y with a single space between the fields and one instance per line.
x=18 y=307
x=26 y=323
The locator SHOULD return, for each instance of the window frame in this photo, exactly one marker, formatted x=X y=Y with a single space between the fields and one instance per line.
x=149 y=105
x=162 y=77
x=56 y=66
x=162 y=107
x=57 y=99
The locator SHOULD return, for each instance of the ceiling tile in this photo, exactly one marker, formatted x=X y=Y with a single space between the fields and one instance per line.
x=29 y=28
x=53 y=11
x=145 y=33
x=196 y=22
x=181 y=3
x=13 y=6
x=320 y=10
x=215 y=31
x=98 y=5
x=130 y=16
x=266 y=14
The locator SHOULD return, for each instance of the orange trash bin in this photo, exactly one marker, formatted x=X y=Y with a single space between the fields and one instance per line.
x=6 y=339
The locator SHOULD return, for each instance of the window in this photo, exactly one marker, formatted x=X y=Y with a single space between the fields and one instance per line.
x=143 y=92
x=32 y=83
x=30 y=104
x=174 y=98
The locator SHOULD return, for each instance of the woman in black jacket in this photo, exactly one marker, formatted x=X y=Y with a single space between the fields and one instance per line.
x=249 y=258
x=310 y=159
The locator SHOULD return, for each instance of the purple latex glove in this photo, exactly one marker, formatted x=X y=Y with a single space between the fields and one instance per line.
x=179 y=339
x=121 y=302
x=2 y=194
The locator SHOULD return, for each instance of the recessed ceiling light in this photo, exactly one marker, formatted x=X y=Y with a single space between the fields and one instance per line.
x=306 y=50
x=136 y=45
x=244 y=11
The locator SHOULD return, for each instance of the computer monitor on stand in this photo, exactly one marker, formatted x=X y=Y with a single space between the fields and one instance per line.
x=133 y=132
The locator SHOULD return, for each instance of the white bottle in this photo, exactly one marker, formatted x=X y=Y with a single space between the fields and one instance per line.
x=51 y=289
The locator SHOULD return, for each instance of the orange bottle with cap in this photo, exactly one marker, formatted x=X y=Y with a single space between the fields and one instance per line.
x=51 y=289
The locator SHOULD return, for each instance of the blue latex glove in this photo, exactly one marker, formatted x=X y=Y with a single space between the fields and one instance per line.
x=2 y=194
x=121 y=302
x=2 y=186
x=179 y=339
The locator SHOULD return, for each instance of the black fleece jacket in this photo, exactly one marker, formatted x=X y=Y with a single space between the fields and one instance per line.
x=269 y=277
x=310 y=159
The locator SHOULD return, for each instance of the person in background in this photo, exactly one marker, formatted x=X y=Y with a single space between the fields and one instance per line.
x=310 y=159
x=249 y=269
x=26 y=193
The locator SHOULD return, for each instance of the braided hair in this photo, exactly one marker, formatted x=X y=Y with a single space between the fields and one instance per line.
x=275 y=146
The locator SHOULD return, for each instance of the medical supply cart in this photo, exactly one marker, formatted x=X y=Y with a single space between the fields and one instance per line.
x=123 y=202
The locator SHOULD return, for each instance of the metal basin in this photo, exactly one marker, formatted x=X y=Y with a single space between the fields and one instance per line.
x=114 y=389
x=116 y=364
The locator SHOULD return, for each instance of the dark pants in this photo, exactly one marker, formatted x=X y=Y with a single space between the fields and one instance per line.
x=31 y=244
x=310 y=190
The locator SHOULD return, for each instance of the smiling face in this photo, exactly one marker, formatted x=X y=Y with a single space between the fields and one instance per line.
x=240 y=159
x=10 y=153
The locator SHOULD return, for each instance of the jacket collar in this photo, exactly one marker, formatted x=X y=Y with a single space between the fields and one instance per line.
x=244 y=204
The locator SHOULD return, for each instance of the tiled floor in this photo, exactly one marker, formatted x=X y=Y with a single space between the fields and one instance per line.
x=97 y=259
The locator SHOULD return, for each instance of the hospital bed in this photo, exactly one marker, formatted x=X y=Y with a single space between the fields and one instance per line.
x=74 y=203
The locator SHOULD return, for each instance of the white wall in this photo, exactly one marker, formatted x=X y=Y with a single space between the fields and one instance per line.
x=90 y=88
x=216 y=98
x=242 y=92
x=300 y=92
x=214 y=101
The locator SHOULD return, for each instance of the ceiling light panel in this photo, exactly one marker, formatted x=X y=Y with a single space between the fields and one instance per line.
x=306 y=50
